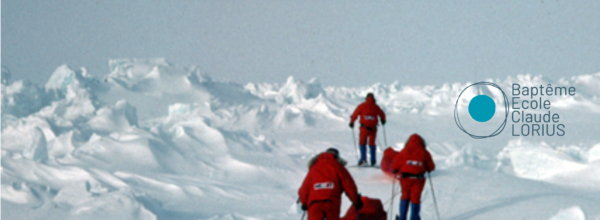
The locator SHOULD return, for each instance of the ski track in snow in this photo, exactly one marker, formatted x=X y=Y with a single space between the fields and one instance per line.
x=154 y=140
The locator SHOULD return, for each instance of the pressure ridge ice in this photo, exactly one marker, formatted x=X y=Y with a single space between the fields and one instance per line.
x=155 y=140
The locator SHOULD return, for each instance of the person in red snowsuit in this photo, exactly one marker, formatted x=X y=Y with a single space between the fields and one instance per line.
x=369 y=112
x=321 y=191
x=411 y=164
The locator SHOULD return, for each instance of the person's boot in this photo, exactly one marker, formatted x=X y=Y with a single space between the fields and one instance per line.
x=414 y=211
x=373 y=150
x=363 y=153
x=403 y=209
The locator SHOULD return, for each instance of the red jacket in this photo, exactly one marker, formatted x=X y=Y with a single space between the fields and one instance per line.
x=414 y=158
x=368 y=111
x=326 y=180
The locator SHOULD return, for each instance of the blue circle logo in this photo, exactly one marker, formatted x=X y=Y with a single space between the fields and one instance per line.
x=482 y=108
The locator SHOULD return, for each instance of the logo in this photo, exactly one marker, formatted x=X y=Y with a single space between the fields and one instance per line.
x=369 y=117
x=532 y=110
x=414 y=163
x=326 y=185
x=482 y=109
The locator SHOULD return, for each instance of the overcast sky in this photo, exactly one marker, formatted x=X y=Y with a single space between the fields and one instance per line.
x=347 y=43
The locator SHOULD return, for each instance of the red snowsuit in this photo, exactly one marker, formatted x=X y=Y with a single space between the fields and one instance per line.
x=368 y=112
x=322 y=188
x=412 y=163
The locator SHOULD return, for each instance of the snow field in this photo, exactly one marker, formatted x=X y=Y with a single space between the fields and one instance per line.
x=153 y=140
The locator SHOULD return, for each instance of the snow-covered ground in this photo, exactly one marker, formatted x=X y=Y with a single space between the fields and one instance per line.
x=154 y=140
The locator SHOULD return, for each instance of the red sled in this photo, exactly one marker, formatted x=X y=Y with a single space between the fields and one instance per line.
x=372 y=210
x=388 y=159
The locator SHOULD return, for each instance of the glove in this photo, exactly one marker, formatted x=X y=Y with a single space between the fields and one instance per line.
x=383 y=121
x=304 y=207
x=359 y=204
x=351 y=125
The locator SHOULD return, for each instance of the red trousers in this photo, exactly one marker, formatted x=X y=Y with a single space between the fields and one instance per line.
x=366 y=133
x=412 y=188
x=323 y=210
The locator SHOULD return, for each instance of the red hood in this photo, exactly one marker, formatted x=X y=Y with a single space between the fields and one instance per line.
x=370 y=100
x=325 y=158
x=414 y=142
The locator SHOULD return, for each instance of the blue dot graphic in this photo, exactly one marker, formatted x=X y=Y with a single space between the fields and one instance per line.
x=482 y=108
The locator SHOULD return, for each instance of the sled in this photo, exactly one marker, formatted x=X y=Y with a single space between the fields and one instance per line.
x=372 y=210
x=388 y=159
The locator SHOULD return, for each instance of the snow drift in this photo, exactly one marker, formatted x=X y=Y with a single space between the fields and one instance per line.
x=154 y=140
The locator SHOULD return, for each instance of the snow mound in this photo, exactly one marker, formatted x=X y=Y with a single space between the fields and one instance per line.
x=572 y=213
x=293 y=91
x=28 y=135
x=594 y=153
x=21 y=193
x=541 y=162
x=301 y=103
x=114 y=205
x=118 y=118
x=150 y=75
x=125 y=151
x=563 y=165
x=22 y=98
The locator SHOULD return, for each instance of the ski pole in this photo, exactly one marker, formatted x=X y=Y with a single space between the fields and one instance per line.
x=379 y=146
x=433 y=194
x=356 y=146
x=304 y=212
x=391 y=208
x=358 y=210
x=384 y=136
